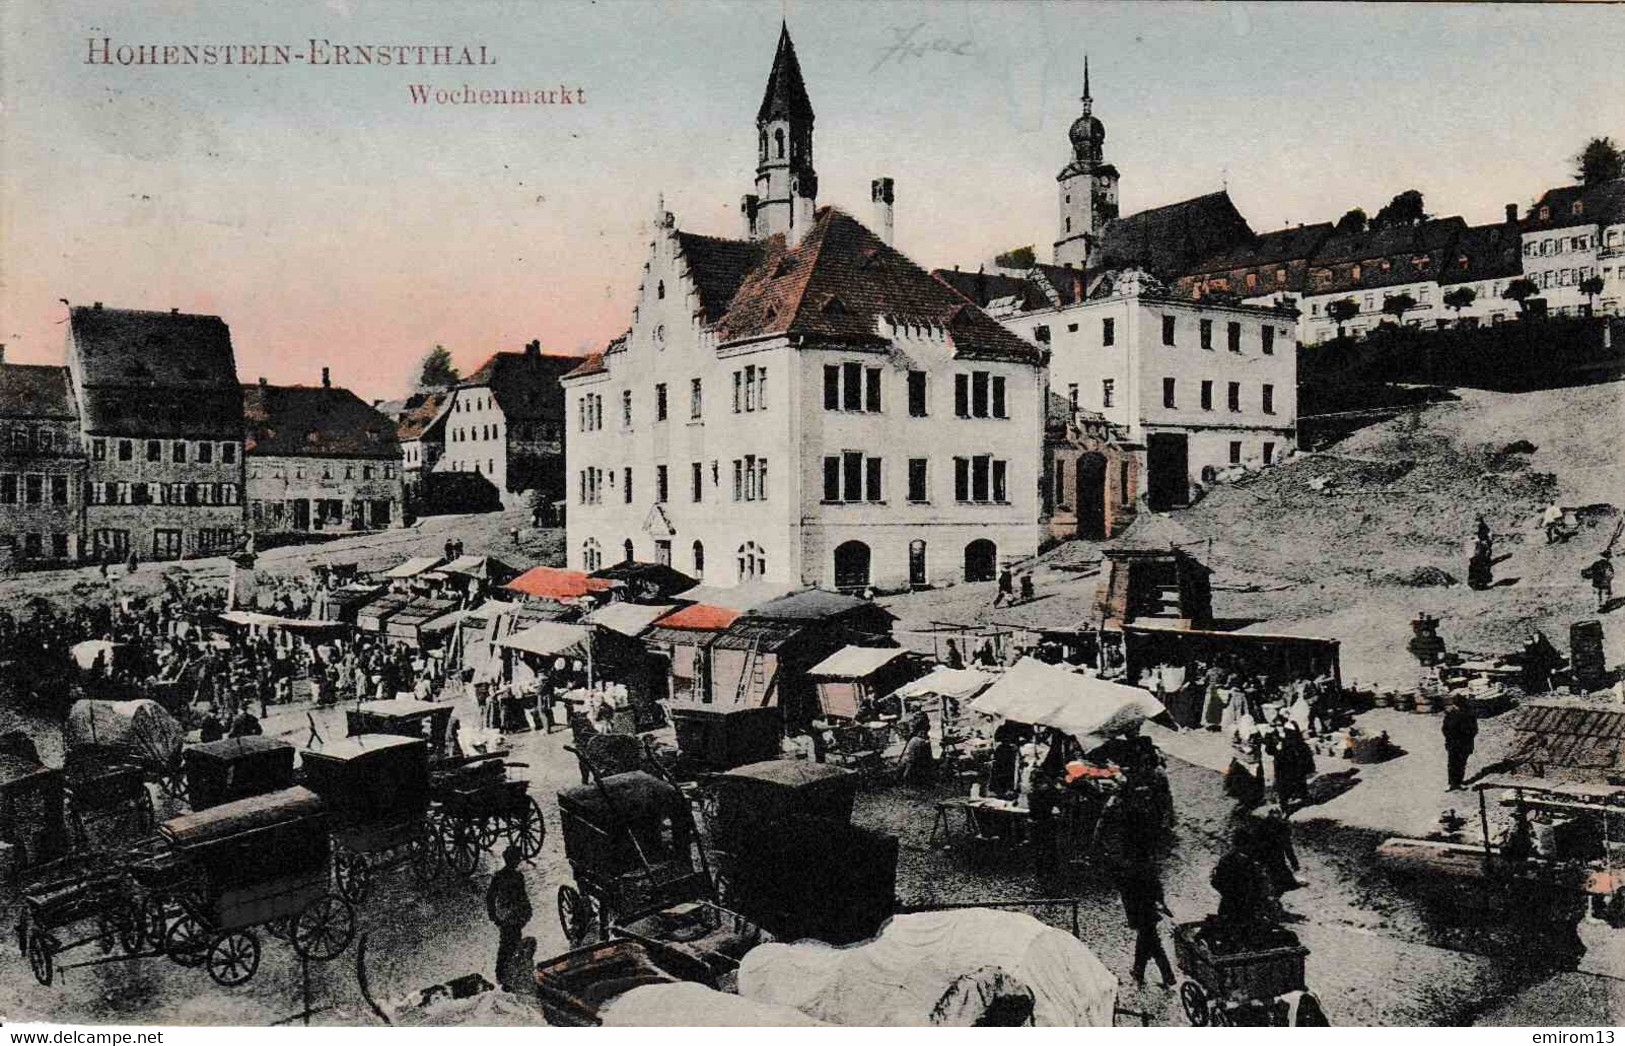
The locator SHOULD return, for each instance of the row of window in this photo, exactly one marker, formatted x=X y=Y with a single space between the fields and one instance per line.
x=34 y=489
x=124 y=493
x=460 y=435
x=1562 y=244
x=367 y=472
x=111 y=542
x=749 y=482
x=180 y=450
x=471 y=404
x=37 y=437
x=855 y=388
x=750 y=558
x=1170 y=396
x=853 y=476
x=33 y=546
x=1266 y=335
x=1563 y=277
x=749 y=397
x=1108 y=332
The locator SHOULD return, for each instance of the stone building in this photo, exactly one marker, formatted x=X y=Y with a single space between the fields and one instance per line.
x=805 y=405
x=1571 y=234
x=161 y=425
x=42 y=465
x=320 y=460
x=1091 y=474
x=420 y=429
x=505 y=423
x=1087 y=188
x=1370 y=267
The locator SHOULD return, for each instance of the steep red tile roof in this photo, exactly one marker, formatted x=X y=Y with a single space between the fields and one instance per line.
x=156 y=373
x=417 y=418
x=1602 y=203
x=1166 y=240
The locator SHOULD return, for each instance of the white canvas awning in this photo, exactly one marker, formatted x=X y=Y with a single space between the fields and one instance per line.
x=629 y=619
x=413 y=567
x=960 y=684
x=1045 y=695
x=551 y=638
x=856 y=662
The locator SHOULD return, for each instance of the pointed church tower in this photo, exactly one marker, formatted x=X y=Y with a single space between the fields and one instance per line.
x=786 y=186
x=1088 y=188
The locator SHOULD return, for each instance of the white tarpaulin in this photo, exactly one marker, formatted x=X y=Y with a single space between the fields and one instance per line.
x=689 y=1005
x=546 y=638
x=855 y=662
x=85 y=654
x=961 y=684
x=936 y=968
x=629 y=619
x=1045 y=695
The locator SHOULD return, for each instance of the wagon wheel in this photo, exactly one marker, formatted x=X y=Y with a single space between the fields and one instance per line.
x=487 y=829
x=526 y=829
x=233 y=958
x=173 y=781
x=423 y=853
x=109 y=929
x=462 y=846
x=132 y=930
x=323 y=929
x=352 y=875
x=575 y=914
x=154 y=921
x=1194 y=999
x=41 y=956
x=185 y=941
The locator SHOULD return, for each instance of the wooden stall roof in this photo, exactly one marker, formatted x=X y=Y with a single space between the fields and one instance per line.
x=1569 y=735
x=856 y=662
x=403 y=709
x=764 y=634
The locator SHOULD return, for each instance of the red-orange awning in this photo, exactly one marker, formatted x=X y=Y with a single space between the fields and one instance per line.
x=699 y=618
x=553 y=583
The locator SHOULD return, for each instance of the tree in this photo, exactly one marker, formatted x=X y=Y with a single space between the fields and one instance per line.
x=1019 y=258
x=1404 y=209
x=1342 y=311
x=1459 y=298
x=1520 y=291
x=1600 y=161
x=1397 y=305
x=1591 y=286
x=1352 y=221
x=438 y=372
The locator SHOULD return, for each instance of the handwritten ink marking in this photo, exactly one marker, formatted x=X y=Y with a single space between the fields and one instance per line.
x=907 y=42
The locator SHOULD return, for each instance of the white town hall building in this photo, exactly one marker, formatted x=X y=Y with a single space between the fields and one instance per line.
x=804 y=406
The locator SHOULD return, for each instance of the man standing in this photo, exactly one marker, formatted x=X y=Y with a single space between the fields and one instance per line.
x=1460 y=731
x=1140 y=884
x=1601 y=575
x=1007 y=588
x=507 y=902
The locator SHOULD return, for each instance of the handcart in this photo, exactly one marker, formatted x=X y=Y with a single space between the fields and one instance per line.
x=1253 y=978
x=73 y=903
x=477 y=804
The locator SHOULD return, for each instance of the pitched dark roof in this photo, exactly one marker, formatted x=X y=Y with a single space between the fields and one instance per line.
x=320 y=422
x=525 y=384
x=1167 y=240
x=156 y=373
x=1570 y=735
x=984 y=288
x=841 y=282
x=421 y=410
x=717 y=267
x=31 y=391
x=786 y=95
x=1398 y=246
x=1485 y=252
x=1600 y=204
x=1269 y=248
x=594 y=363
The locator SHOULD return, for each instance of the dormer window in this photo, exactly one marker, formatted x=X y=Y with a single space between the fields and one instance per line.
x=834 y=306
x=781 y=267
x=1579 y=207
x=1354 y=273
x=1545 y=214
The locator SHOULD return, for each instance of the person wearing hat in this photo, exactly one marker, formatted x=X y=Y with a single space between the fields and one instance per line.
x=1601 y=575
x=507 y=902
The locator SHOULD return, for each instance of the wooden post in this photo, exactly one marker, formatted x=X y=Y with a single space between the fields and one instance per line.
x=1484 y=822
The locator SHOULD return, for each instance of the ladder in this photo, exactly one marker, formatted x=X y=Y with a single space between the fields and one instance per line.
x=751 y=673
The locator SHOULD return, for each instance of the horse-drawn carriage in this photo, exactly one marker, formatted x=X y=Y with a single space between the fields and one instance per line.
x=113 y=748
x=1250 y=980
x=33 y=805
x=734 y=804
x=235 y=768
x=375 y=788
x=477 y=804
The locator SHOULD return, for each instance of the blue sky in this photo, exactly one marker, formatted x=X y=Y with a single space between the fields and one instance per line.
x=332 y=222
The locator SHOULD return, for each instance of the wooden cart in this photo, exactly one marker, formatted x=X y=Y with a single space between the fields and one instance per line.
x=1257 y=981
x=376 y=789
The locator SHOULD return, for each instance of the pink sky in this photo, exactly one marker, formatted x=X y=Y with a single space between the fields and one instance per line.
x=330 y=222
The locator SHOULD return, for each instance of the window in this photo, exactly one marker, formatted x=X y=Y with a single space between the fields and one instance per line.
x=1235 y=452
x=1233 y=336
x=660 y=484
x=739 y=479
x=1072 y=396
x=998 y=397
x=177 y=451
x=916 y=393
x=962 y=395
x=1107 y=388
x=998 y=482
x=832 y=478
x=155 y=450
x=916 y=480
x=752 y=560
x=696 y=398
x=871 y=479
x=660 y=289
x=592 y=556
x=59 y=546
x=739 y=391
x=978 y=394
x=1269 y=453
x=961 y=479
x=660 y=401
x=871 y=390
x=1207 y=395
x=1041 y=334
x=1167 y=330
x=1168 y=398
x=626 y=408
x=33 y=489
x=851 y=386
x=1072 y=328
x=1206 y=335
x=59 y=490
x=33 y=546
x=126 y=450
x=98 y=449
x=832 y=387
x=1108 y=332
x=852 y=475
x=205 y=453
x=626 y=484
x=1267 y=333
x=228 y=454
x=761 y=479
x=696 y=482
x=1269 y=399
x=979 y=477
x=1233 y=399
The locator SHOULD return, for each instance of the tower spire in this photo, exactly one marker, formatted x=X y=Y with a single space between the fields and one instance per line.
x=1087 y=99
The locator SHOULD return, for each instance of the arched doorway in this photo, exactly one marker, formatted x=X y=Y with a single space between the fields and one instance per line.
x=981 y=560
x=1091 y=495
x=852 y=566
x=699 y=560
x=626 y=546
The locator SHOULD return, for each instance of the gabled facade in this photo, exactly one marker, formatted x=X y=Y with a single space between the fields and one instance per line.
x=42 y=465
x=505 y=422
x=161 y=424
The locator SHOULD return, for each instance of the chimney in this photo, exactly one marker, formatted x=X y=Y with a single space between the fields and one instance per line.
x=882 y=195
x=1512 y=213
x=174 y=312
x=263 y=382
x=748 y=206
x=327 y=379
x=97 y=306
x=533 y=349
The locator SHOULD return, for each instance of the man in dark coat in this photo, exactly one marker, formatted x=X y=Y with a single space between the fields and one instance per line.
x=507 y=902
x=1007 y=588
x=1460 y=731
x=1244 y=892
x=1140 y=884
x=1272 y=848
